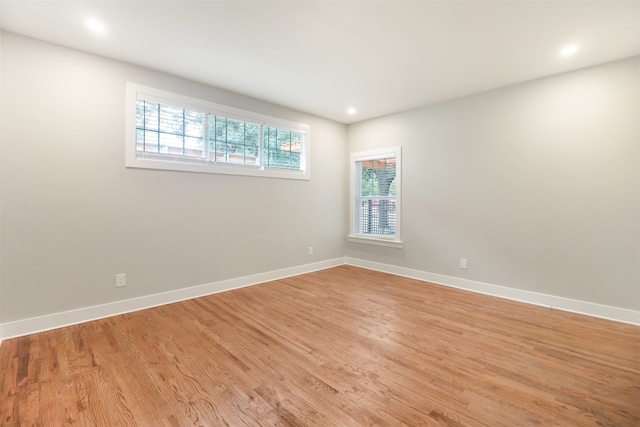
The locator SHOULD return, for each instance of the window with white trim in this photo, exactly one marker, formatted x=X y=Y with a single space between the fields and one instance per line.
x=375 y=197
x=174 y=132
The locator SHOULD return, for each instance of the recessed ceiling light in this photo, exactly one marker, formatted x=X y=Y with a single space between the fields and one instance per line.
x=351 y=110
x=569 y=50
x=96 y=26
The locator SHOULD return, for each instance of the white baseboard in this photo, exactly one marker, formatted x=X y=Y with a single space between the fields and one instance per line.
x=73 y=317
x=565 y=304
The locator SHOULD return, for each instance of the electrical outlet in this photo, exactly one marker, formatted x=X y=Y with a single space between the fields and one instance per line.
x=120 y=280
x=463 y=263
x=310 y=250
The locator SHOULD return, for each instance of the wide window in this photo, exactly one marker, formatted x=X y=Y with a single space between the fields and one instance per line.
x=375 y=197
x=170 y=131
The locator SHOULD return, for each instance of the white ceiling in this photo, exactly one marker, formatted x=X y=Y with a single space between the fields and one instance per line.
x=325 y=56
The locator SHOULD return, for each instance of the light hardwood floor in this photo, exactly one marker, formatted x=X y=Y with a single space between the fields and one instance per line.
x=339 y=347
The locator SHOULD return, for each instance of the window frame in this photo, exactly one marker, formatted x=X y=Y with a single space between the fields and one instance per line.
x=395 y=240
x=145 y=160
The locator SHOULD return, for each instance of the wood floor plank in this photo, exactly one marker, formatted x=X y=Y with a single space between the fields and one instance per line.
x=339 y=347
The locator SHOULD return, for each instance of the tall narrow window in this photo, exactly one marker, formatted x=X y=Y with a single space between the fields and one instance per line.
x=375 y=189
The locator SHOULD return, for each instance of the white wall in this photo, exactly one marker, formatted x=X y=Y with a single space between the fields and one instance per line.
x=73 y=216
x=537 y=185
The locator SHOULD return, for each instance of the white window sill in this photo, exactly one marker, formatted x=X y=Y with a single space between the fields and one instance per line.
x=147 y=161
x=375 y=241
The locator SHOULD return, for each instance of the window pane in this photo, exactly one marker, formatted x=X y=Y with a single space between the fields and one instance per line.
x=194 y=123
x=151 y=139
x=269 y=145
x=233 y=141
x=252 y=143
x=369 y=181
x=378 y=176
x=171 y=120
x=235 y=130
x=170 y=144
x=282 y=148
x=376 y=204
x=218 y=138
x=168 y=129
x=140 y=108
x=150 y=115
x=193 y=147
x=377 y=216
x=139 y=139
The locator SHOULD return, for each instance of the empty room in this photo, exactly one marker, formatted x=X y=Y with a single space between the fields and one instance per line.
x=319 y=213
